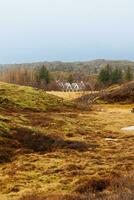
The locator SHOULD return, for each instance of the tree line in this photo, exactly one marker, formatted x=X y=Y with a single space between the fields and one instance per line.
x=109 y=76
x=36 y=77
x=41 y=77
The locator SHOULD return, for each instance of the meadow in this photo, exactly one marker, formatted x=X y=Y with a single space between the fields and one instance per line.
x=51 y=149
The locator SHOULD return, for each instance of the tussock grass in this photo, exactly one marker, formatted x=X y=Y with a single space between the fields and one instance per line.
x=117 y=189
x=123 y=94
x=69 y=95
x=65 y=154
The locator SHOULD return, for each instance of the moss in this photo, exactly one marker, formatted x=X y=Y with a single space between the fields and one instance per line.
x=28 y=98
x=4 y=118
x=4 y=127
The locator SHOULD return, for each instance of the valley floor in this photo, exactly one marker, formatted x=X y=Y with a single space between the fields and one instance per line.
x=69 y=95
x=94 y=148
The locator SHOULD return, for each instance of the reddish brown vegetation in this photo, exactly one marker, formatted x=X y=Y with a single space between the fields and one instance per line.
x=124 y=93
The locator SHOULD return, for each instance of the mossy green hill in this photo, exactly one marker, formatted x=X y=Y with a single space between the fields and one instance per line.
x=28 y=98
x=18 y=105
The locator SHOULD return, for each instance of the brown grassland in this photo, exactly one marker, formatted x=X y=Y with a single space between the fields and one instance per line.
x=65 y=152
x=69 y=95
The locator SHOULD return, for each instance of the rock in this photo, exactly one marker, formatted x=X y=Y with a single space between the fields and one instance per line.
x=129 y=128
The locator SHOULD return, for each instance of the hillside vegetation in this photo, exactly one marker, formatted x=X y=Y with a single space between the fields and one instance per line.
x=51 y=150
x=27 y=98
x=85 y=66
x=123 y=94
x=87 y=76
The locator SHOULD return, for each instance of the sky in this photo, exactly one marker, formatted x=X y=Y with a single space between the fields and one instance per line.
x=66 y=30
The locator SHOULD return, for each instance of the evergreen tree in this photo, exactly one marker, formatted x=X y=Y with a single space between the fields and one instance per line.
x=116 y=75
x=44 y=75
x=105 y=75
x=128 y=74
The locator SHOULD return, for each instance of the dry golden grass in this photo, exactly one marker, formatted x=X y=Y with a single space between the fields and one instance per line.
x=65 y=154
x=91 y=146
x=69 y=95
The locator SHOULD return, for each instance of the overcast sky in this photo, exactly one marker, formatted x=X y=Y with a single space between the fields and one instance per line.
x=67 y=30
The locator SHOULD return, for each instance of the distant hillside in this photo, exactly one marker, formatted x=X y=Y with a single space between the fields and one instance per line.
x=87 y=66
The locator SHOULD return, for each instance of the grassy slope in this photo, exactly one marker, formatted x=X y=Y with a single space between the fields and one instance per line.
x=60 y=152
x=121 y=94
x=27 y=98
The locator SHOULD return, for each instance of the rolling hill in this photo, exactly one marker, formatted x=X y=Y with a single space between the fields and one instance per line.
x=50 y=150
x=27 y=98
x=123 y=94
x=84 y=66
x=119 y=94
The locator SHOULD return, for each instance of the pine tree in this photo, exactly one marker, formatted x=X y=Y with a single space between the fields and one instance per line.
x=44 y=75
x=105 y=75
x=116 y=75
x=128 y=74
